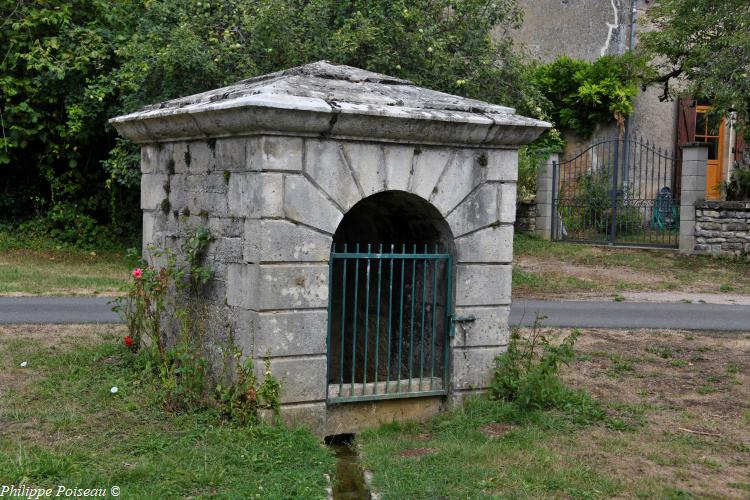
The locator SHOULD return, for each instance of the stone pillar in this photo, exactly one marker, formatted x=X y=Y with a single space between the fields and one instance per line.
x=693 y=182
x=544 y=199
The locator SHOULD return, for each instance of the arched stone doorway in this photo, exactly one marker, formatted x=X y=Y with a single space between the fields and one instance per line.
x=390 y=300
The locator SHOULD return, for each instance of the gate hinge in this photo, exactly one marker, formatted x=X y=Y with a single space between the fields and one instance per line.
x=460 y=319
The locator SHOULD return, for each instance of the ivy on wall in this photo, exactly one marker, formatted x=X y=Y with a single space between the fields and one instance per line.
x=581 y=95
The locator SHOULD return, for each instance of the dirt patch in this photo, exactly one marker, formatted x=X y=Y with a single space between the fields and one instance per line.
x=686 y=396
x=416 y=452
x=495 y=430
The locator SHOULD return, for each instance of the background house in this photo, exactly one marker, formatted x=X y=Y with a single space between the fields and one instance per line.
x=589 y=29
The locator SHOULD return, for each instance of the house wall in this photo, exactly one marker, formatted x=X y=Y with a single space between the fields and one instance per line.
x=589 y=29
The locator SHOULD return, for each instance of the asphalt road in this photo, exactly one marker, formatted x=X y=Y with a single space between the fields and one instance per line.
x=579 y=314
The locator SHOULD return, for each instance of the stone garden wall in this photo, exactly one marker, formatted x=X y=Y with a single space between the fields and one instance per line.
x=525 y=216
x=722 y=228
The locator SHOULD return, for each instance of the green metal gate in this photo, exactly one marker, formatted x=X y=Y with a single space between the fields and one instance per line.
x=389 y=321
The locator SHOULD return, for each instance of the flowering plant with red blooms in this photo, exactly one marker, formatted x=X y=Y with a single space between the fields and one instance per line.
x=128 y=341
x=137 y=273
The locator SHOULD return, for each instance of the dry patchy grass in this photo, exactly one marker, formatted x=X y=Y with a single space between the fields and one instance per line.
x=566 y=270
x=677 y=426
x=28 y=271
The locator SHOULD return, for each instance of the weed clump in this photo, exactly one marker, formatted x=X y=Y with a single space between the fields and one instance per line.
x=527 y=375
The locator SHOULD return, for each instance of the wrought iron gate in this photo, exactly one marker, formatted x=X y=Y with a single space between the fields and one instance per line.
x=618 y=191
x=388 y=322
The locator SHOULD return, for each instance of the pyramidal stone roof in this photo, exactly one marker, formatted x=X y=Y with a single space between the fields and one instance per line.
x=326 y=99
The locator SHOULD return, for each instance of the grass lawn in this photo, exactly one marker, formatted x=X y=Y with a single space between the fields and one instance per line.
x=60 y=425
x=41 y=268
x=678 y=426
x=569 y=270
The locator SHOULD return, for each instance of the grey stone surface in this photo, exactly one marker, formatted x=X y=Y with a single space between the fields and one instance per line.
x=292 y=333
x=398 y=165
x=722 y=229
x=472 y=367
x=278 y=153
x=292 y=286
x=367 y=162
x=428 y=165
x=459 y=178
x=694 y=160
x=242 y=284
x=367 y=106
x=326 y=166
x=271 y=240
x=525 y=216
x=483 y=284
x=152 y=190
x=489 y=329
x=231 y=154
x=246 y=197
x=502 y=164
x=493 y=244
x=304 y=203
x=271 y=164
x=302 y=379
x=478 y=210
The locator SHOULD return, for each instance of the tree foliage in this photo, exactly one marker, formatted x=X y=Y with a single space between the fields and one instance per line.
x=582 y=94
x=68 y=65
x=701 y=47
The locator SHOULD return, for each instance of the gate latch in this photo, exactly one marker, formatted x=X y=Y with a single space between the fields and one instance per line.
x=462 y=320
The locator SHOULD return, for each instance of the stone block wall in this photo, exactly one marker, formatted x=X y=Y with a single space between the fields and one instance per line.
x=525 y=216
x=272 y=205
x=722 y=228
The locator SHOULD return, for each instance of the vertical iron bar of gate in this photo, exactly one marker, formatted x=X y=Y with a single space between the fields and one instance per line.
x=331 y=262
x=354 y=320
x=401 y=319
x=421 y=336
x=343 y=327
x=613 y=231
x=448 y=322
x=411 y=316
x=434 y=309
x=367 y=319
x=553 y=210
x=377 y=323
x=390 y=321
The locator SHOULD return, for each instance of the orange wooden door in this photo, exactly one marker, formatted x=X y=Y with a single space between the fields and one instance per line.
x=710 y=129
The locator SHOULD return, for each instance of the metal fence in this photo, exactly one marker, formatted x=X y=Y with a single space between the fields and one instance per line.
x=617 y=191
x=388 y=322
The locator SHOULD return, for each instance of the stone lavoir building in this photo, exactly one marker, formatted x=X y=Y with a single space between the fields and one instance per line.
x=362 y=232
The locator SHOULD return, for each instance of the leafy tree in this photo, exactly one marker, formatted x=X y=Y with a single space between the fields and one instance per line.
x=68 y=65
x=54 y=98
x=701 y=47
x=182 y=47
x=581 y=94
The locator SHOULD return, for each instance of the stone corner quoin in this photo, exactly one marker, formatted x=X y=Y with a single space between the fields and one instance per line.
x=271 y=172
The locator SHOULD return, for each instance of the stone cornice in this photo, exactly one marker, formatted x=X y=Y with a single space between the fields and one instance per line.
x=315 y=117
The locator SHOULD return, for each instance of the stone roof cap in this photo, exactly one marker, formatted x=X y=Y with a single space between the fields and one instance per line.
x=334 y=100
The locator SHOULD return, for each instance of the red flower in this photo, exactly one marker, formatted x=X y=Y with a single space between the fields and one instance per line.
x=137 y=273
x=128 y=341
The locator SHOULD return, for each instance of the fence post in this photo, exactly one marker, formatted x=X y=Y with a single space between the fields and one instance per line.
x=693 y=188
x=544 y=187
